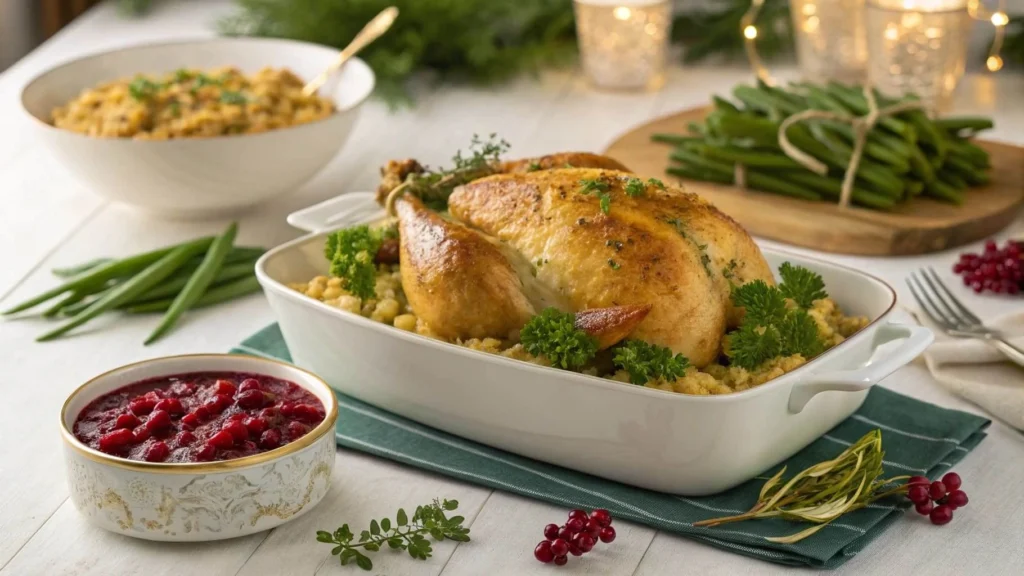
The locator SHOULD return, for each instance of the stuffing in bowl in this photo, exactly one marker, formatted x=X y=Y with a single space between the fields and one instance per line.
x=197 y=128
x=192 y=103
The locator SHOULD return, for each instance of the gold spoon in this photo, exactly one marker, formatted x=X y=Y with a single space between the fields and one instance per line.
x=373 y=30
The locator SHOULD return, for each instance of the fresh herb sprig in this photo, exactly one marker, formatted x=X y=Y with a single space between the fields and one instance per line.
x=771 y=327
x=554 y=334
x=646 y=362
x=435 y=186
x=825 y=491
x=403 y=534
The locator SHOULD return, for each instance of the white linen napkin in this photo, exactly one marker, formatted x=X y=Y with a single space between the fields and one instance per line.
x=977 y=372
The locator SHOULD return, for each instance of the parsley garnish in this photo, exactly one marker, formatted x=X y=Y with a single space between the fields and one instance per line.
x=678 y=225
x=646 y=362
x=764 y=304
x=143 y=88
x=614 y=244
x=599 y=187
x=635 y=188
x=593 y=185
x=175 y=108
x=771 y=328
x=533 y=167
x=800 y=335
x=656 y=183
x=705 y=260
x=232 y=97
x=182 y=75
x=404 y=534
x=554 y=334
x=351 y=252
x=801 y=285
x=614 y=265
x=751 y=345
x=729 y=272
x=204 y=80
x=200 y=80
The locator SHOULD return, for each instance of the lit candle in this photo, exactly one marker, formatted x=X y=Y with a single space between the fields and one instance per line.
x=917 y=46
x=830 y=42
x=623 y=43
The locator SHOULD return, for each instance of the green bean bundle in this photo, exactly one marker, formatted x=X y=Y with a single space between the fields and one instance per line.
x=173 y=279
x=904 y=155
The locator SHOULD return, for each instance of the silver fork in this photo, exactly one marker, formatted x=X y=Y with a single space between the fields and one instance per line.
x=953 y=317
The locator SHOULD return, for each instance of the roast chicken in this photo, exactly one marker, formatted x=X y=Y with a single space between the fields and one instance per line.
x=524 y=239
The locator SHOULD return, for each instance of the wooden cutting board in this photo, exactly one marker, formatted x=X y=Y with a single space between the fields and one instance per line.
x=921 y=226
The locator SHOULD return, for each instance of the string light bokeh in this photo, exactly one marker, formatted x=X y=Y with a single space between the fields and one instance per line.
x=624 y=43
x=975 y=8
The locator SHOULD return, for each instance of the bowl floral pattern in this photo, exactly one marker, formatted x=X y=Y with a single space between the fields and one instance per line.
x=200 y=507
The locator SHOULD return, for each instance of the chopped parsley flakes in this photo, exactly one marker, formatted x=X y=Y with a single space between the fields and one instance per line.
x=635 y=187
x=600 y=188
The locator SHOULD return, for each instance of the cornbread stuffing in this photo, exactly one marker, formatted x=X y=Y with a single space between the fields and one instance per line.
x=391 y=307
x=192 y=104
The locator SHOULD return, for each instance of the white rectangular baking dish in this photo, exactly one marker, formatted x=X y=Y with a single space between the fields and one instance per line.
x=676 y=443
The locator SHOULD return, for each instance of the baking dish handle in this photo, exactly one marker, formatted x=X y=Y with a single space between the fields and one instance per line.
x=915 y=340
x=337 y=212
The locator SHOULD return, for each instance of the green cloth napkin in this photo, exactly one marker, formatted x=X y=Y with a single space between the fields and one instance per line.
x=919 y=438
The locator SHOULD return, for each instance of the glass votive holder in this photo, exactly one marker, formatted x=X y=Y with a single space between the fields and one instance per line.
x=623 y=43
x=830 y=40
x=917 y=46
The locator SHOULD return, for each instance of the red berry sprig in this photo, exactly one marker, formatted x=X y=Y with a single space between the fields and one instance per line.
x=577 y=536
x=1000 y=270
x=938 y=499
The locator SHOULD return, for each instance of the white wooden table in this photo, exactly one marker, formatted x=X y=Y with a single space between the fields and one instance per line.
x=47 y=218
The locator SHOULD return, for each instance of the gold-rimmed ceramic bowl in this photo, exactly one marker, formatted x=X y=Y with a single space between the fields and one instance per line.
x=191 y=502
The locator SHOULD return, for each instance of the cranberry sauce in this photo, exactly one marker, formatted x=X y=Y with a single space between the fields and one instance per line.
x=198 y=417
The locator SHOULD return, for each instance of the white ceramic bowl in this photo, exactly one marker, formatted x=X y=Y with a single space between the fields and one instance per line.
x=199 y=501
x=677 y=443
x=199 y=176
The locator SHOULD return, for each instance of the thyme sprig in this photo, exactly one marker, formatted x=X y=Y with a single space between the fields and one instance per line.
x=404 y=534
x=825 y=491
x=435 y=186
